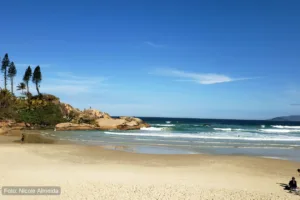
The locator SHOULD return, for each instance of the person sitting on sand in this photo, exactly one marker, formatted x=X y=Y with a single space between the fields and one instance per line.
x=293 y=184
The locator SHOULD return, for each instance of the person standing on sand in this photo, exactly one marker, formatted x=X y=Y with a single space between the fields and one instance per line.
x=23 y=138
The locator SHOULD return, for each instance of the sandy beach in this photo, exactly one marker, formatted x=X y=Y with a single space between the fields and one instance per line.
x=92 y=172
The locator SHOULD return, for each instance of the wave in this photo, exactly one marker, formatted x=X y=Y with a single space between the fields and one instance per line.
x=279 y=130
x=170 y=135
x=288 y=127
x=260 y=130
x=223 y=129
x=166 y=125
x=168 y=122
x=231 y=129
x=151 y=129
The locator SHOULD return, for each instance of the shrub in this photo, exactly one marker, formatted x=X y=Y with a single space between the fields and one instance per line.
x=48 y=115
x=7 y=100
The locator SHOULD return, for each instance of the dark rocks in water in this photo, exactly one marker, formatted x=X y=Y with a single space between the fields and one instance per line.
x=287 y=118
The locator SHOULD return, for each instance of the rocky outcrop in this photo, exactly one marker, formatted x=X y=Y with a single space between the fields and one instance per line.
x=7 y=126
x=124 y=123
x=73 y=126
x=90 y=115
x=68 y=110
x=92 y=119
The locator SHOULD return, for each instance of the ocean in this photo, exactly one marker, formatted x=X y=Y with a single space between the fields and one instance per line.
x=277 y=140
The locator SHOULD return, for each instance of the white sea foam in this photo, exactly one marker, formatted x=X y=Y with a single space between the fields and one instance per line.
x=166 y=125
x=151 y=129
x=168 y=122
x=287 y=127
x=198 y=136
x=279 y=130
x=263 y=126
x=223 y=129
x=231 y=129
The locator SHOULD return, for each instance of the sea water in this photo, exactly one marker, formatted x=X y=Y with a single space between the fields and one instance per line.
x=271 y=139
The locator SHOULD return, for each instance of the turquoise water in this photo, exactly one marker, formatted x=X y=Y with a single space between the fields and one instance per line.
x=191 y=136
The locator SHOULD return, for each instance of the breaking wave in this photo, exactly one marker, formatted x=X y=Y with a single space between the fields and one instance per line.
x=287 y=127
x=279 y=130
x=199 y=136
x=151 y=129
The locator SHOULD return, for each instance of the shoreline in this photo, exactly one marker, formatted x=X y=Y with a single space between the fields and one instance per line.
x=37 y=140
x=39 y=137
x=95 y=172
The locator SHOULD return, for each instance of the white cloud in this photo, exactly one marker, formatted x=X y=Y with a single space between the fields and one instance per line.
x=154 y=45
x=70 y=84
x=200 y=78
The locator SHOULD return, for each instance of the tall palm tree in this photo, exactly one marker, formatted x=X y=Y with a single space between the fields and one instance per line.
x=5 y=63
x=22 y=87
x=37 y=78
x=26 y=77
x=12 y=71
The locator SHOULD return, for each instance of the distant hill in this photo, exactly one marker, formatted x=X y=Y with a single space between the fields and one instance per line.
x=287 y=118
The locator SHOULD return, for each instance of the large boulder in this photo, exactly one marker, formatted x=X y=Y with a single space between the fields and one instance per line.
x=73 y=126
x=129 y=123
x=109 y=124
x=122 y=123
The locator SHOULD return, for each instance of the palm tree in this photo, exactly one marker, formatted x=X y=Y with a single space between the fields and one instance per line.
x=26 y=77
x=12 y=71
x=5 y=63
x=37 y=78
x=22 y=87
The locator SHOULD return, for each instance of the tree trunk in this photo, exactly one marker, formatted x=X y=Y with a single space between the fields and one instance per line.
x=5 y=83
x=12 y=84
x=37 y=88
x=27 y=87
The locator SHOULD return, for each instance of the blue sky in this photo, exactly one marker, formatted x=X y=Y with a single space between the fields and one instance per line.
x=208 y=59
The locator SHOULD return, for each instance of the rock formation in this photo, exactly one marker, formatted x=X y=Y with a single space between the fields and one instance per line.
x=92 y=119
x=9 y=125
x=73 y=126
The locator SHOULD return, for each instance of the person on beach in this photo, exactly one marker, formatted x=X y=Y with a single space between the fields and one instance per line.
x=23 y=138
x=298 y=171
x=293 y=184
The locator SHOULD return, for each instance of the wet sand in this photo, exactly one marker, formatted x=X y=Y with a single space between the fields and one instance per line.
x=93 y=172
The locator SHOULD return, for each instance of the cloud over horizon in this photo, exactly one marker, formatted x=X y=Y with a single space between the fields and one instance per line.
x=200 y=78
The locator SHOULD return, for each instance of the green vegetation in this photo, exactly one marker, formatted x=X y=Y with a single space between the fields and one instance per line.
x=37 y=78
x=7 y=101
x=43 y=115
x=26 y=78
x=22 y=87
x=42 y=110
x=12 y=72
x=5 y=63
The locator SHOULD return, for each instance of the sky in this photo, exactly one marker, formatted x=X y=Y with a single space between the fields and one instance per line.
x=204 y=59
